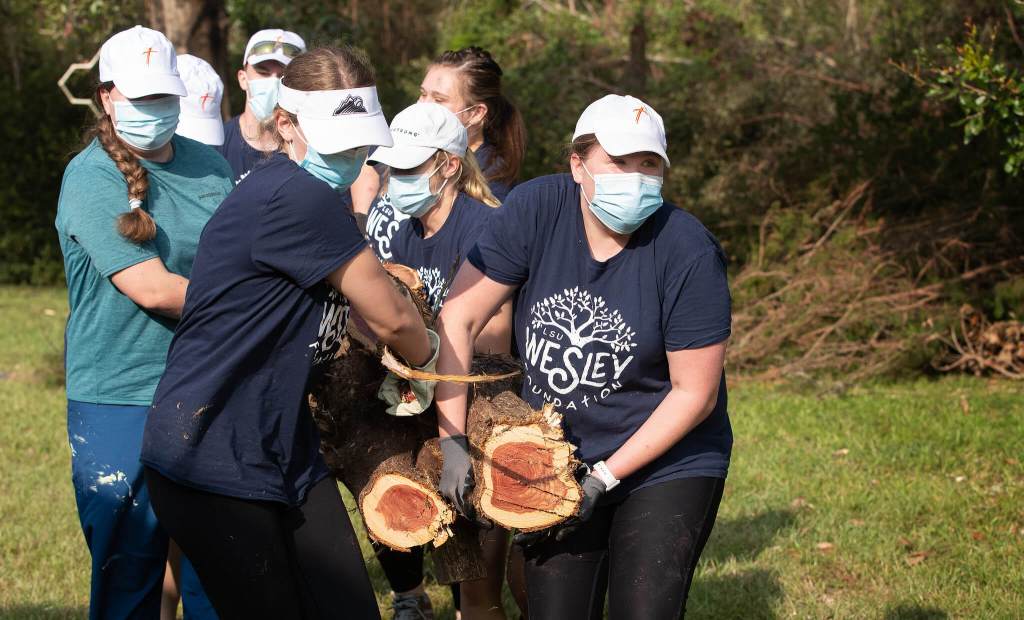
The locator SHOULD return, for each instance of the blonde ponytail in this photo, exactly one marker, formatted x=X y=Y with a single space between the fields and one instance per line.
x=136 y=224
x=473 y=184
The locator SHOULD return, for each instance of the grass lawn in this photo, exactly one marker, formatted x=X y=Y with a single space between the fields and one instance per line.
x=888 y=501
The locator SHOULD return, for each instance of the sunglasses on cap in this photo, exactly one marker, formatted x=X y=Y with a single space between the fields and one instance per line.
x=267 y=47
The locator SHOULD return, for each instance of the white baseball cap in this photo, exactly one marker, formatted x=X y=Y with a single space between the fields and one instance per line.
x=624 y=125
x=273 y=44
x=200 y=111
x=418 y=132
x=141 y=62
x=337 y=120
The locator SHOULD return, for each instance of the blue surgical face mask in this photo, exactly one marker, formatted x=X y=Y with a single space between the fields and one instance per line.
x=147 y=125
x=410 y=193
x=623 y=201
x=339 y=170
x=263 y=96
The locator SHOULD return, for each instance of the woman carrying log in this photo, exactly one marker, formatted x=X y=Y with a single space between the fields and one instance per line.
x=231 y=451
x=622 y=316
x=433 y=180
x=132 y=205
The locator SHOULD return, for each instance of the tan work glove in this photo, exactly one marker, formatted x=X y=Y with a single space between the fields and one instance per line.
x=406 y=397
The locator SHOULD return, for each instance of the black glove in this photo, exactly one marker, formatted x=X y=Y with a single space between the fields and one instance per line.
x=457 y=477
x=593 y=488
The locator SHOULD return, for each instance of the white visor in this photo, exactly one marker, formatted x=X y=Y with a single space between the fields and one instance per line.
x=338 y=120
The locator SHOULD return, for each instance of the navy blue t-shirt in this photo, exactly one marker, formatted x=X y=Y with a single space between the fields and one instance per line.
x=230 y=415
x=593 y=335
x=487 y=158
x=437 y=258
x=240 y=154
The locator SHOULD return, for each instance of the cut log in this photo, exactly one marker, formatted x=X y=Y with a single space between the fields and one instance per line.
x=373 y=454
x=402 y=508
x=524 y=468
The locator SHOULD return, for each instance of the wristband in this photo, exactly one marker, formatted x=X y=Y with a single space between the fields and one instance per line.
x=605 y=475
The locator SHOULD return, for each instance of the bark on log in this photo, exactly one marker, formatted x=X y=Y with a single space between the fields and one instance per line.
x=380 y=458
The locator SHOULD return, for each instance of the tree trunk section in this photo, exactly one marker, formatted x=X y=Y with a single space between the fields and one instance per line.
x=524 y=468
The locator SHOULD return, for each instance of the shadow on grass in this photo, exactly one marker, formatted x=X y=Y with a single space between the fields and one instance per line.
x=744 y=538
x=42 y=612
x=914 y=612
x=750 y=595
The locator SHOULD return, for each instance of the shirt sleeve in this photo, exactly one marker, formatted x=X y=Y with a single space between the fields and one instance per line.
x=503 y=248
x=697 y=309
x=91 y=200
x=305 y=233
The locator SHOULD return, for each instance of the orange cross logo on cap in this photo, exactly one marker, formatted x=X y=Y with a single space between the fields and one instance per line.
x=639 y=111
x=202 y=101
x=149 y=51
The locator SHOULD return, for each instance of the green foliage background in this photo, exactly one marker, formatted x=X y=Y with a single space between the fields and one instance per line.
x=775 y=109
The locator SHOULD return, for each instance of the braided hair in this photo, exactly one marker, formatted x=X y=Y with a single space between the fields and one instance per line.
x=136 y=224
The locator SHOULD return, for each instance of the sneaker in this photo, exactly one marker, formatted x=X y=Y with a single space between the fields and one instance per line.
x=412 y=607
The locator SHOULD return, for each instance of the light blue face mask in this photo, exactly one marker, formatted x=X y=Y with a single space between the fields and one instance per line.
x=339 y=170
x=623 y=201
x=147 y=125
x=410 y=193
x=263 y=96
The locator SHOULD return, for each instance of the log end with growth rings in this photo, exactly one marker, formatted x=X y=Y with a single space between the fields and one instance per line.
x=402 y=513
x=527 y=477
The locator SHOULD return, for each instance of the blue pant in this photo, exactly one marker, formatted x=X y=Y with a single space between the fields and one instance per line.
x=128 y=546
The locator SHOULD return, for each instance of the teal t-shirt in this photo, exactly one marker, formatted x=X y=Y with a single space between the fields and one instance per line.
x=114 y=350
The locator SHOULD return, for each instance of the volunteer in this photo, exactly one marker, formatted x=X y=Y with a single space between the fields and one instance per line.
x=622 y=316
x=467 y=82
x=435 y=182
x=131 y=207
x=200 y=110
x=231 y=451
x=246 y=140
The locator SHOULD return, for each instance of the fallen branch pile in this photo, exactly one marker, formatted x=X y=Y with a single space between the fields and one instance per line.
x=978 y=346
x=832 y=291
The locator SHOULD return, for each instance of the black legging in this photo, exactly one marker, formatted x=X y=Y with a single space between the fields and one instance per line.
x=643 y=551
x=261 y=559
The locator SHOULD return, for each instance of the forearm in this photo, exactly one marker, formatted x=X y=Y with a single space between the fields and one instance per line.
x=679 y=413
x=455 y=358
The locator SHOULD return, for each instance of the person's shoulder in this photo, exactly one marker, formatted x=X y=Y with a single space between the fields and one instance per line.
x=288 y=183
x=204 y=157
x=90 y=166
x=92 y=157
x=683 y=235
x=472 y=207
x=542 y=192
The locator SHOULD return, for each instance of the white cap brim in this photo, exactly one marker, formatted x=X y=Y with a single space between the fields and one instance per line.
x=405 y=157
x=206 y=130
x=338 y=120
x=256 y=59
x=619 y=144
x=144 y=85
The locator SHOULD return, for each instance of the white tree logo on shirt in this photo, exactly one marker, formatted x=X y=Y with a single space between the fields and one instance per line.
x=434 y=283
x=580 y=344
